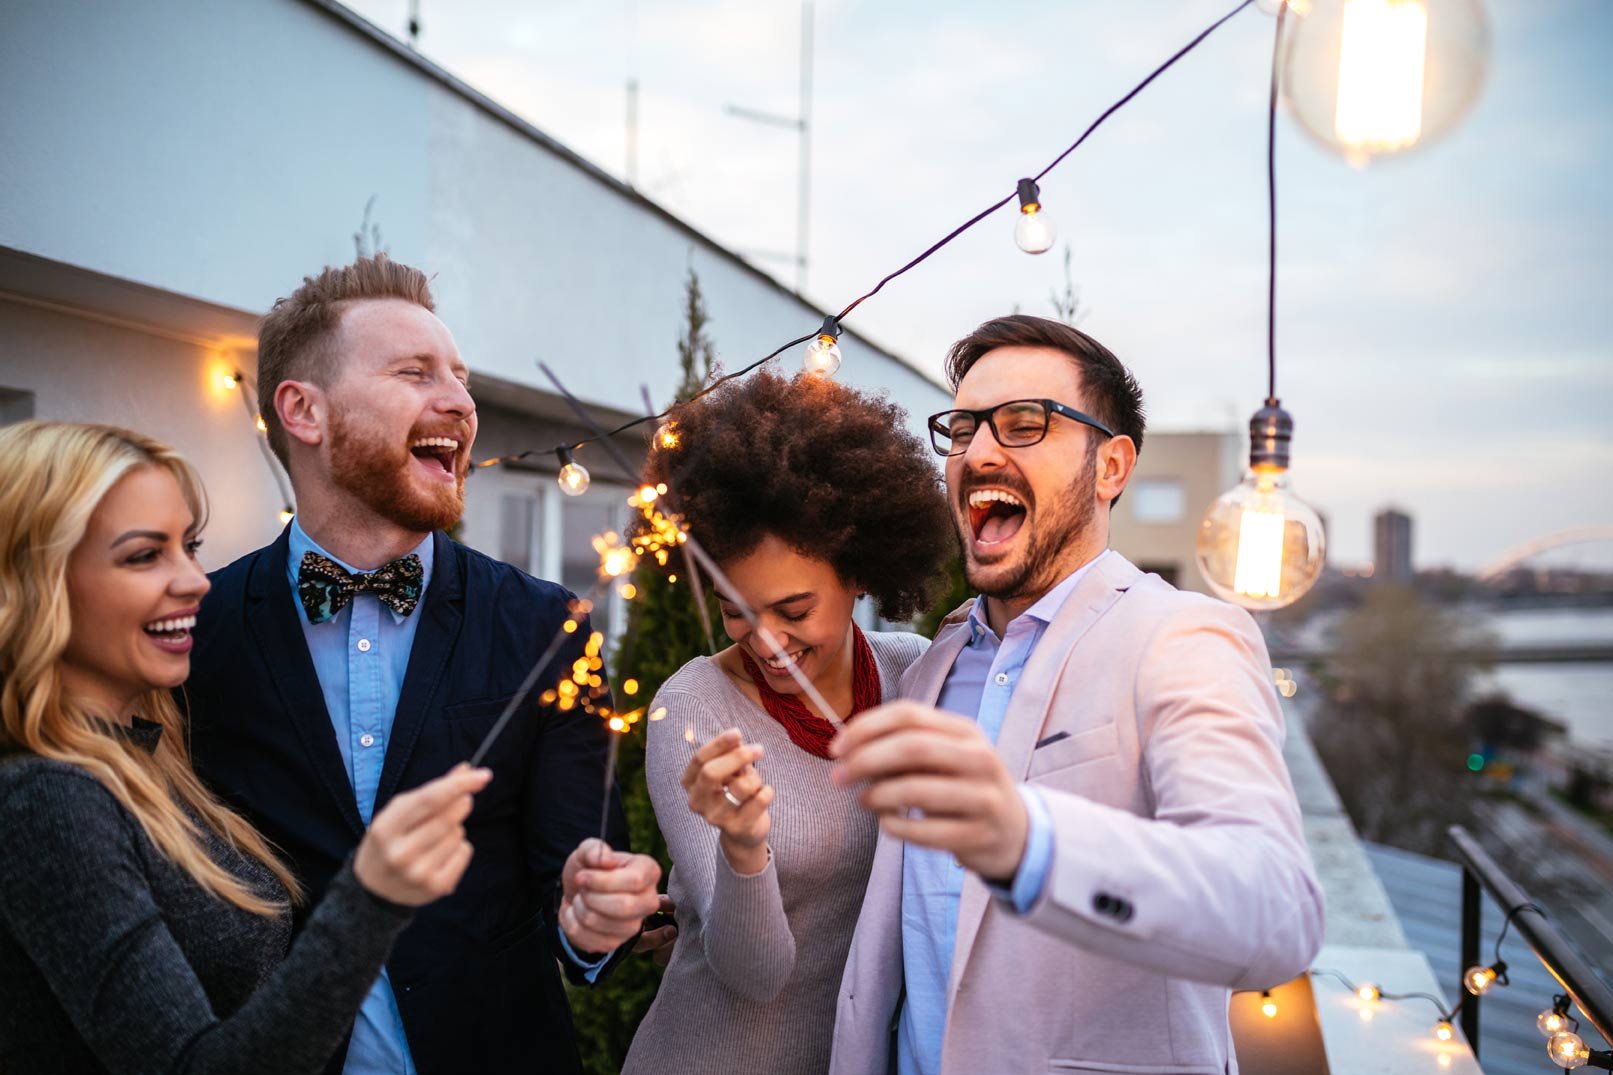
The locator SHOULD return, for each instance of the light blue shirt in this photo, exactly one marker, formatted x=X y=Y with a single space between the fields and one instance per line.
x=980 y=684
x=360 y=655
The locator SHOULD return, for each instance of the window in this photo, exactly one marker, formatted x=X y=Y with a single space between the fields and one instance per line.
x=16 y=405
x=1157 y=500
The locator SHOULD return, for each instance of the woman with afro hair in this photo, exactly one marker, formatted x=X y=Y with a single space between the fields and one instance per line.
x=808 y=494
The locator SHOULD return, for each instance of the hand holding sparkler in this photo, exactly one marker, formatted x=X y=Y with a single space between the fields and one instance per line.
x=606 y=895
x=726 y=790
x=910 y=756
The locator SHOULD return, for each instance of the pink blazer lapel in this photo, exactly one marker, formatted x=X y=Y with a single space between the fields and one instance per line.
x=927 y=675
x=1027 y=713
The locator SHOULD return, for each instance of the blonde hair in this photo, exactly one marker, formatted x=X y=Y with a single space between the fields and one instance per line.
x=294 y=336
x=56 y=474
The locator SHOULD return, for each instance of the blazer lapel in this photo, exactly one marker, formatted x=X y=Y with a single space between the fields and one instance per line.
x=440 y=619
x=271 y=617
x=1027 y=712
x=930 y=671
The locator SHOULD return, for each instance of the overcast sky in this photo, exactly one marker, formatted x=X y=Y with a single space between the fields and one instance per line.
x=1443 y=319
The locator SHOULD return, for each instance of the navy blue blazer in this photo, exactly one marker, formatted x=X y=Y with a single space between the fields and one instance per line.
x=475 y=973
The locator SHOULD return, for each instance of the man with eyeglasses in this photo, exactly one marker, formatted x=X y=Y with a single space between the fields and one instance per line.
x=1088 y=835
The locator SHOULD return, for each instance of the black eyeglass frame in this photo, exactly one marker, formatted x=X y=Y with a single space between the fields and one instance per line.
x=1050 y=407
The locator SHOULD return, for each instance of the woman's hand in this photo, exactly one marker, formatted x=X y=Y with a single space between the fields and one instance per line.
x=721 y=774
x=415 y=850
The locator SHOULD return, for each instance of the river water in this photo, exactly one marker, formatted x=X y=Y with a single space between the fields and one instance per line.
x=1579 y=695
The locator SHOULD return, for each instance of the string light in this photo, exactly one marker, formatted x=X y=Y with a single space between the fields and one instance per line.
x=1033 y=231
x=286 y=514
x=1369 y=992
x=667 y=436
x=823 y=353
x=605 y=435
x=228 y=381
x=1568 y=1050
x=1444 y=1031
x=1371 y=78
x=573 y=476
x=1478 y=980
x=1268 y=1006
x=1555 y=1018
x=263 y=427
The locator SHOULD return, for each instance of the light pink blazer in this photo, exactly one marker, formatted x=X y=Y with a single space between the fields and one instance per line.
x=1179 y=869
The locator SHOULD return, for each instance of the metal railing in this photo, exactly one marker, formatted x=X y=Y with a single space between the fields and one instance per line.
x=1480 y=873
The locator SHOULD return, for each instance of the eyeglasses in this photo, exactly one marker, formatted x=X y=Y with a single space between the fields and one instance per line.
x=1019 y=423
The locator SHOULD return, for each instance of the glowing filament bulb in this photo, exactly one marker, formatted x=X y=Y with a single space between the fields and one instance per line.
x=263 y=427
x=1260 y=554
x=1551 y=1022
x=1382 y=54
x=823 y=353
x=227 y=381
x=285 y=515
x=1444 y=1031
x=1033 y=231
x=1269 y=1007
x=573 y=476
x=1479 y=980
x=1567 y=1050
x=1368 y=993
x=667 y=435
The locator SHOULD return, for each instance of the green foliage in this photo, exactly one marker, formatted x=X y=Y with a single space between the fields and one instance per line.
x=663 y=634
x=956 y=593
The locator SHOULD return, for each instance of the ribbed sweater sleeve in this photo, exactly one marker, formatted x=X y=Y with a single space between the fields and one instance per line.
x=747 y=938
x=75 y=894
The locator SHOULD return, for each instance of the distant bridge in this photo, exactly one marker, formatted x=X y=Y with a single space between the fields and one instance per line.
x=1583 y=535
x=1594 y=652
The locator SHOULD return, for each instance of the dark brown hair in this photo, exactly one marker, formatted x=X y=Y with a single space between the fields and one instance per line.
x=294 y=337
x=1112 y=393
x=830 y=471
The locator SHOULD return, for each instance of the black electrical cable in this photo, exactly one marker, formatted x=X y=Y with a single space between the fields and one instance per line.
x=959 y=230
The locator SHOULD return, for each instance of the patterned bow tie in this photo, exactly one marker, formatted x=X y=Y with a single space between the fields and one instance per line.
x=325 y=587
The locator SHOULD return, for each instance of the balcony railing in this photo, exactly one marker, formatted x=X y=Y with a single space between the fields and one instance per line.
x=1587 y=992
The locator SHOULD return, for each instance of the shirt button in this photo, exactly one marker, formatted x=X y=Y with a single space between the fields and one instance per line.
x=1002 y=678
x=364 y=645
x=366 y=740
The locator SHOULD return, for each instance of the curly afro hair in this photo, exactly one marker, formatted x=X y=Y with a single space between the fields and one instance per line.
x=831 y=472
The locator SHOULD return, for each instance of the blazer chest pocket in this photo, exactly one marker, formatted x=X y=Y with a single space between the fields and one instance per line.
x=1058 y=754
x=467 y=723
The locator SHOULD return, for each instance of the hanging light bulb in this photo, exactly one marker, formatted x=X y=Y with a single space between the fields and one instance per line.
x=1567 y=1050
x=1368 y=78
x=1444 y=1031
x=573 y=476
x=1259 y=545
x=286 y=514
x=823 y=353
x=1033 y=231
x=1479 y=979
x=1555 y=1018
x=1268 y=1007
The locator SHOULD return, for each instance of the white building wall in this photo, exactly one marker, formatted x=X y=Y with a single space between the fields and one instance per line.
x=224 y=150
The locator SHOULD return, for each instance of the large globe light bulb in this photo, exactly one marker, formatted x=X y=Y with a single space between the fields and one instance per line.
x=1369 y=78
x=1260 y=546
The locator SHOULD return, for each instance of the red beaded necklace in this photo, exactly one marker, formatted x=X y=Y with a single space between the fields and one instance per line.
x=806 y=729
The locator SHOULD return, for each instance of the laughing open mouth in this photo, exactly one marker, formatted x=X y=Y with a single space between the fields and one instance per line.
x=439 y=450
x=173 y=630
x=995 y=515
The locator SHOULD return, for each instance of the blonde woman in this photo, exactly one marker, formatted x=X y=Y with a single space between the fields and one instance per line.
x=144 y=927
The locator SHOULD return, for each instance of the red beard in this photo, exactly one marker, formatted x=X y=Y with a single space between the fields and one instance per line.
x=375 y=470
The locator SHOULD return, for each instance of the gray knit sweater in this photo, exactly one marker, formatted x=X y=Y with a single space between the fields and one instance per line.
x=113 y=959
x=754 y=978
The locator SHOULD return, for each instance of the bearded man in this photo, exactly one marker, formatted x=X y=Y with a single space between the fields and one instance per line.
x=1088 y=835
x=364 y=653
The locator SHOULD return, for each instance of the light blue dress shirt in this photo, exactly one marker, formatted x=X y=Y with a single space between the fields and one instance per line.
x=980 y=685
x=360 y=655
